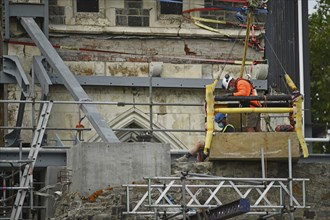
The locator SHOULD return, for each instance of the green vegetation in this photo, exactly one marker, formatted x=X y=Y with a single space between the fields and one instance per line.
x=319 y=42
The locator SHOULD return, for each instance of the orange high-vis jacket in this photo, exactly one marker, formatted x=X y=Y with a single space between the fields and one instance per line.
x=244 y=88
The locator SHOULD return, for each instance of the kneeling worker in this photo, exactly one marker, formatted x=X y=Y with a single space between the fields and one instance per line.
x=221 y=120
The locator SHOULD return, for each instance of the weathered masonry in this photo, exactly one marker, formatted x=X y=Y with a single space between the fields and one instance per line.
x=86 y=85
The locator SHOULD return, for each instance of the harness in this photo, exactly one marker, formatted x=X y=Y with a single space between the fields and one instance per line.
x=251 y=86
x=248 y=102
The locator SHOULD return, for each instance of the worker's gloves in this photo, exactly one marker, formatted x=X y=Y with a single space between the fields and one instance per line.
x=228 y=94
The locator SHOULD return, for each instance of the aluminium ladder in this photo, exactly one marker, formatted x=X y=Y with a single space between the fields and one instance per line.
x=35 y=146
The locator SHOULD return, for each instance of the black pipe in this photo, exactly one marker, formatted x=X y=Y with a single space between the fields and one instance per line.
x=269 y=104
x=259 y=98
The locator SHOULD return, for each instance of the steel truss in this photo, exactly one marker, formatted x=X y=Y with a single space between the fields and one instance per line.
x=188 y=194
x=172 y=195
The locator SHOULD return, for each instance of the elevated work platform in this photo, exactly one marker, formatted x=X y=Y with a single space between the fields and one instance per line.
x=248 y=146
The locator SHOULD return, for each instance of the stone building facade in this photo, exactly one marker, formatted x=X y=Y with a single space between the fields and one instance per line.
x=100 y=39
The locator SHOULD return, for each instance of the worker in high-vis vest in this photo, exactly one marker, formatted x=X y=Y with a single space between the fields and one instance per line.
x=243 y=87
x=198 y=149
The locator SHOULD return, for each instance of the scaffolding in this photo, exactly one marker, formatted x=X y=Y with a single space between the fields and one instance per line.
x=187 y=195
x=261 y=186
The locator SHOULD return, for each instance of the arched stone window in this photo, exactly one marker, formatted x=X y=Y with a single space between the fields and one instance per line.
x=135 y=118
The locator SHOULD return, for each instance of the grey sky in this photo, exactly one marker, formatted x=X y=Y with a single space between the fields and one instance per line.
x=311 y=4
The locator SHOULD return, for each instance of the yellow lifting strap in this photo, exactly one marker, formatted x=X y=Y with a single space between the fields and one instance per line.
x=290 y=83
x=247 y=36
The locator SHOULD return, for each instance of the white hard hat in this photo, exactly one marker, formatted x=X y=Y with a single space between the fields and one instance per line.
x=225 y=81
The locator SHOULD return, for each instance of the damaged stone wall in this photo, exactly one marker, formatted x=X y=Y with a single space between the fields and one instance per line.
x=109 y=203
x=94 y=44
x=136 y=64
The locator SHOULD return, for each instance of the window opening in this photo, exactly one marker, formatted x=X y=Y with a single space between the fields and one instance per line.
x=87 y=5
x=169 y=8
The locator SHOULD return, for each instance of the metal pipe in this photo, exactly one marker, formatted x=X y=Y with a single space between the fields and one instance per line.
x=326 y=139
x=256 y=110
x=102 y=103
x=149 y=192
x=301 y=59
x=31 y=191
x=290 y=173
x=259 y=98
x=15 y=161
x=263 y=162
x=14 y=187
x=4 y=189
x=150 y=102
x=27 y=150
x=183 y=204
x=226 y=178
x=254 y=184
x=161 y=130
x=47 y=128
x=127 y=198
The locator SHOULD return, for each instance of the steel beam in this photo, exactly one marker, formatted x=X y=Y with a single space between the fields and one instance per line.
x=21 y=9
x=13 y=67
x=41 y=74
x=57 y=156
x=160 y=82
x=46 y=157
x=12 y=138
x=69 y=79
x=157 y=82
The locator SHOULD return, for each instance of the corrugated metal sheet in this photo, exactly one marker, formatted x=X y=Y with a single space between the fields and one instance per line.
x=282 y=45
x=282 y=49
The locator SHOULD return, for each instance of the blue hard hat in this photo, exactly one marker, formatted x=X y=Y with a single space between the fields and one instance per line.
x=219 y=116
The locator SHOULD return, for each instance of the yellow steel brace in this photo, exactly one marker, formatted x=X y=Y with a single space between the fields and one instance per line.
x=298 y=104
x=209 y=116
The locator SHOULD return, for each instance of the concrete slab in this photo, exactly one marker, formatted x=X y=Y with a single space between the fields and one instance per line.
x=97 y=166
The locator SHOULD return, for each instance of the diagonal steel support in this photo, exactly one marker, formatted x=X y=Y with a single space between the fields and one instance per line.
x=12 y=138
x=41 y=74
x=69 y=80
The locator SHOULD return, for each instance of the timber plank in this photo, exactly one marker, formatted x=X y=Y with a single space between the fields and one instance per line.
x=247 y=146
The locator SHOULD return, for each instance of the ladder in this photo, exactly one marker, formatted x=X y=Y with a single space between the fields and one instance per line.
x=27 y=173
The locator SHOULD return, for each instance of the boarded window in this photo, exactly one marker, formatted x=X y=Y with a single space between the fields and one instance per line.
x=171 y=8
x=87 y=5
